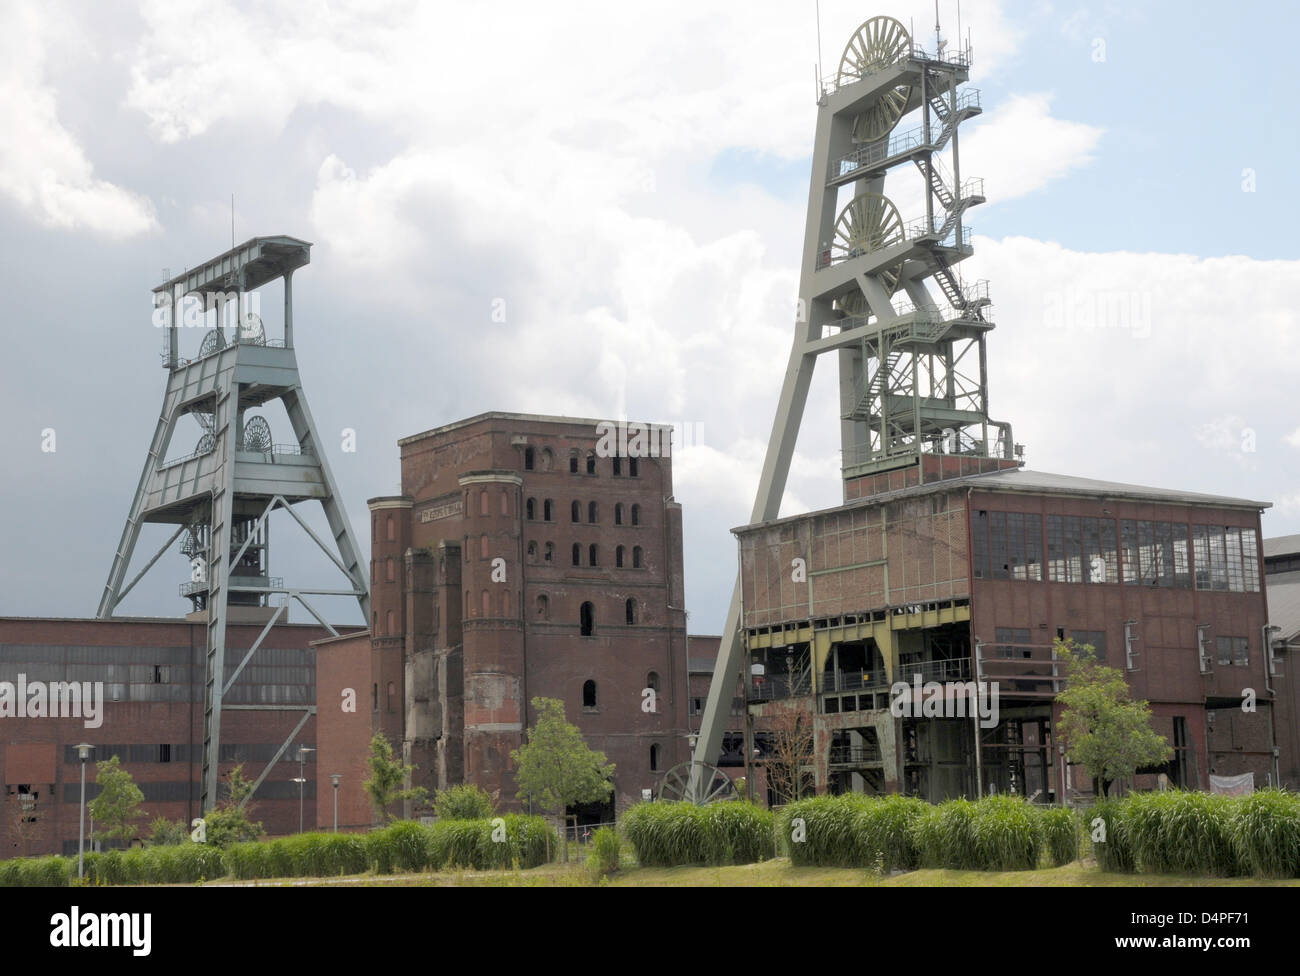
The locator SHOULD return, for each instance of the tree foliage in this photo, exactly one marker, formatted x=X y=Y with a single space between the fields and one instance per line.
x=555 y=768
x=117 y=806
x=1101 y=727
x=231 y=821
x=388 y=778
x=465 y=802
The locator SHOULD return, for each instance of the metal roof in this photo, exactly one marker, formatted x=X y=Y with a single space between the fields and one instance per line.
x=1283 y=592
x=1031 y=482
x=1019 y=479
x=248 y=266
x=1282 y=545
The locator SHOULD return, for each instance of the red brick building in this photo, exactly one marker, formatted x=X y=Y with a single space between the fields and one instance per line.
x=970 y=576
x=527 y=556
x=152 y=674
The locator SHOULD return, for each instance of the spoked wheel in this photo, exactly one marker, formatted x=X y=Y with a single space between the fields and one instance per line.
x=257 y=434
x=715 y=786
x=877 y=44
x=868 y=223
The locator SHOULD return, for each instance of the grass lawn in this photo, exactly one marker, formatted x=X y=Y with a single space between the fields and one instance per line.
x=775 y=873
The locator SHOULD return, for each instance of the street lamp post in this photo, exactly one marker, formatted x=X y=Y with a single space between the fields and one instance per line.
x=84 y=750
x=336 y=777
x=301 y=780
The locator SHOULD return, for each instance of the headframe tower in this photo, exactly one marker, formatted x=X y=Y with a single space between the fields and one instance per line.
x=221 y=495
x=911 y=362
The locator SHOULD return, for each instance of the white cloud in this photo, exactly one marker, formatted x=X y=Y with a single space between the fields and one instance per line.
x=1293 y=438
x=43 y=169
x=1019 y=147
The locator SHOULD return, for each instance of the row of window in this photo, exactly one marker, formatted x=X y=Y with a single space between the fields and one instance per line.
x=1013 y=642
x=1081 y=549
x=547 y=511
x=545 y=460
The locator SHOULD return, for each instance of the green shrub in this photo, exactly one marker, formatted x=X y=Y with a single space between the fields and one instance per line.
x=248 y=860
x=1061 y=835
x=1179 y=832
x=887 y=829
x=381 y=851
x=38 y=872
x=167 y=833
x=1008 y=834
x=946 y=836
x=606 y=848
x=465 y=802
x=822 y=831
x=669 y=834
x=1107 y=826
x=1266 y=834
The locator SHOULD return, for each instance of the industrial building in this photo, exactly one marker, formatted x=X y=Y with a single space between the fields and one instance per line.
x=151 y=674
x=950 y=569
x=526 y=556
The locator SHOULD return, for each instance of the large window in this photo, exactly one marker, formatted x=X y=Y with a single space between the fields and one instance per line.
x=1007 y=545
x=1226 y=558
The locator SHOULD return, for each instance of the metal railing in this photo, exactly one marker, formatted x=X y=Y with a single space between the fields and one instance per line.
x=921 y=228
x=775 y=687
x=900 y=144
x=853 y=680
x=843 y=755
x=952 y=669
x=179 y=361
x=913 y=52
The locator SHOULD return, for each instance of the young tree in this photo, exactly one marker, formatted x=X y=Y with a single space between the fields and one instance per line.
x=231 y=823
x=790 y=724
x=388 y=775
x=466 y=802
x=118 y=804
x=1101 y=727
x=555 y=768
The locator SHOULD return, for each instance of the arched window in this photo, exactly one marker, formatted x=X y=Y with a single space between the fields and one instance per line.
x=631 y=610
x=505 y=502
x=591 y=462
x=577 y=554
x=392 y=531
x=543 y=607
x=505 y=603
x=389 y=569
x=530 y=509
x=654 y=758
x=532 y=552
x=575 y=511
x=592 y=512
x=618 y=558
x=618 y=514
x=389 y=629
x=528 y=459
x=486 y=604
x=548 y=459
x=549 y=555
x=547 y=513
x=589 y=694
x=636 y=557
x=374 y=622
x=587 y=619
x=392 y=695
x=591 y=555
x=483 y=546
x=573 y=462
x=618 y=465
x=652 y=681
x=631 y=467
x=482 y=501
x=636 y=514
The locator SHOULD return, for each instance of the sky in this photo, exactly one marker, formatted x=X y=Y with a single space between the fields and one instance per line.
x=596 y=209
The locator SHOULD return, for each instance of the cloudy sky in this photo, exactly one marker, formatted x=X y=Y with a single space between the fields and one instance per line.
x=628 y=183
